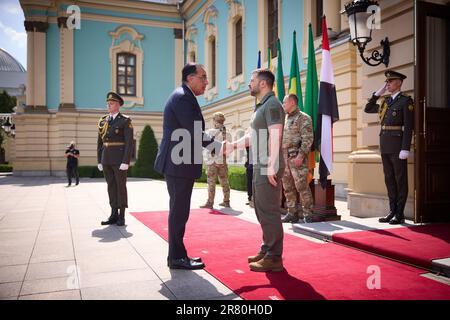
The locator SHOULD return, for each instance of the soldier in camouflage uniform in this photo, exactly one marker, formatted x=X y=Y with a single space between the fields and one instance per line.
x=298 y=137
x=216 y=166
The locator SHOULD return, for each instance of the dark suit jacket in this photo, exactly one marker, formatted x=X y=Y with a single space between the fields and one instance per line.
x=182 y=111
x=119 y=130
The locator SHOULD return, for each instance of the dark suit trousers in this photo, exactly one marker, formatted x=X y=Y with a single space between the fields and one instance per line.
x=72 y=172
x=117 y=186
x=180 y=191
x=249 y=172
x=396 y=179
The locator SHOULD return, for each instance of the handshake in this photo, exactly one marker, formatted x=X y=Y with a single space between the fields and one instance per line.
x=227 y=148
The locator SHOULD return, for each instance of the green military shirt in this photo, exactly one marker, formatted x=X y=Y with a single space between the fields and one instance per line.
x=267 y=113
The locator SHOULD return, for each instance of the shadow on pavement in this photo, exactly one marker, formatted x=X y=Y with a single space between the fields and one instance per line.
x=111 y=234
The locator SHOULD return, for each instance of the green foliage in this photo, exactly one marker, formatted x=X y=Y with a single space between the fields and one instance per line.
x=237 y=178
x=89 y=172
x=6 y=168
x=203 y=178
x=148 y=149
x=7 y=103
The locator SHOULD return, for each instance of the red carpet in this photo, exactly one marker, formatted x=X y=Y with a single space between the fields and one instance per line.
x=312 y=271
x=416 y=245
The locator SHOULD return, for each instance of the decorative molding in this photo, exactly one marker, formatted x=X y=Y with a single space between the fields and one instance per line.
x=235 y=12
x=178 y=33
x=35 y=26
x=209 y=21
x=135 y=48
x=62 y=22
x=191 y=34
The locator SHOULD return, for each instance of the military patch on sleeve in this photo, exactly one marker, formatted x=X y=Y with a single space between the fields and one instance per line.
x=411 y=107
x=275 y=115
x=130 y=125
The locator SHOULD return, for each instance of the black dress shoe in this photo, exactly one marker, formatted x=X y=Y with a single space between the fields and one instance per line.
x=397 y=220
x=185 y=263
x=387 y=218
x=196 y=259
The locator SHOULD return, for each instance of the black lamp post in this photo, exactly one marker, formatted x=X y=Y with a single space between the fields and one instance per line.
x=361 y=20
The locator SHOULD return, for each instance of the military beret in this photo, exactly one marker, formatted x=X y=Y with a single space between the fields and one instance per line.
x=390 y=75
x=114 y=97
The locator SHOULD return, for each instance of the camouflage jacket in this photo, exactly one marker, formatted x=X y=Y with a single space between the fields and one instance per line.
x=298 y=132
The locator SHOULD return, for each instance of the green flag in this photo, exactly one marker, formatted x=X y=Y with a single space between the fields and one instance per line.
x=294 y=79
x=311 y=98
x=312 y=85
x=280 y=76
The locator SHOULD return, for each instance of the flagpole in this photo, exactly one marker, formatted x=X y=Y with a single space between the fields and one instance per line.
x=324 y=208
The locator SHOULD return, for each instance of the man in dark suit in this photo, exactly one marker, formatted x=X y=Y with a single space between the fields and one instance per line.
x=180 y=158
x=114 y=150
x=396 y=113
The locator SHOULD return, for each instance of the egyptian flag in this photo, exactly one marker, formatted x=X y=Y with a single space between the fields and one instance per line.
x=327 y=111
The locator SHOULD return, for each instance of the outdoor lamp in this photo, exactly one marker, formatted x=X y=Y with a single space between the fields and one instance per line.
x=361 y=20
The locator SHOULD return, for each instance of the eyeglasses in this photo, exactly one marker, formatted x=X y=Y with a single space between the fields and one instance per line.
x=204 y=78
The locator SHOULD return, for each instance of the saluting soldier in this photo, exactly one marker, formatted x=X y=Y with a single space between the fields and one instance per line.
x=114 y=150
x=397 y=122
x=298 y=137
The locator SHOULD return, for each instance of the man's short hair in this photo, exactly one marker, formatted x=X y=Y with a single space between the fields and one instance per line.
x=188 y=69
x=265 y=75
x=293 y=97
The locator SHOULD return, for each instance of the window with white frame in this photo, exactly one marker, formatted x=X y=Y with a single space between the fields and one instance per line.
x=211 y=44
x=235 y=61
x=127 y=58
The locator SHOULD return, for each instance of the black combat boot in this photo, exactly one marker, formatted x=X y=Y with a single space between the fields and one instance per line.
x=112 y=218
x=121 y=219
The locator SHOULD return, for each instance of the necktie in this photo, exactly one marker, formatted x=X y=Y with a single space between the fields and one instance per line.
x=389 y=100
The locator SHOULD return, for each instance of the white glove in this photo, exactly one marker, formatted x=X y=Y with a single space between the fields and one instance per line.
x=404 y=154
x=123 y=167
x=100 y=167
x=380 y=91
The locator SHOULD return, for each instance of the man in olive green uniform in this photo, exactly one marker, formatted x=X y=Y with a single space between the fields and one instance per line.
x=114 y=150
x=268 y=165
x=216 y=166
x=298 y=137
x=396 y=113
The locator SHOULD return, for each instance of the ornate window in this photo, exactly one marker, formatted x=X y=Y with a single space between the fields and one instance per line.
x=191 y=35
x=126 y=74
x=211 y=43
x=319 y=14
x=272 y=26
x=235 y=63
x=127 y=58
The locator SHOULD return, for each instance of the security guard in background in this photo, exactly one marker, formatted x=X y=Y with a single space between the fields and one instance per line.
x=114 y=150
x=396 y=113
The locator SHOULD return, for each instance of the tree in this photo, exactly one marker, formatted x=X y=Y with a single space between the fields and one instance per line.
x=148 y=149
x=7 y=103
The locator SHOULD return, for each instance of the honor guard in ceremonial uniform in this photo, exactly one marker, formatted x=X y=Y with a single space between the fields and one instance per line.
x=114 y=150
x=396 y=113
x=298 y=137
x=216 y=165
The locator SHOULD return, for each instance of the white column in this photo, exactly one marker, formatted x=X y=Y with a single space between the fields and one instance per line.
x=30 y=68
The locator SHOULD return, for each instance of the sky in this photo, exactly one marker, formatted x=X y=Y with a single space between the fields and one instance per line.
x=13 y=37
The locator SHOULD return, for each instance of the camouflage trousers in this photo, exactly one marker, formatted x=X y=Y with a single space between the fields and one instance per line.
x=295 y=179
x=213 y=172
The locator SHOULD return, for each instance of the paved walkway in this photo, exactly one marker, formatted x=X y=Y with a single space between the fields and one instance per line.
x=52 y=245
